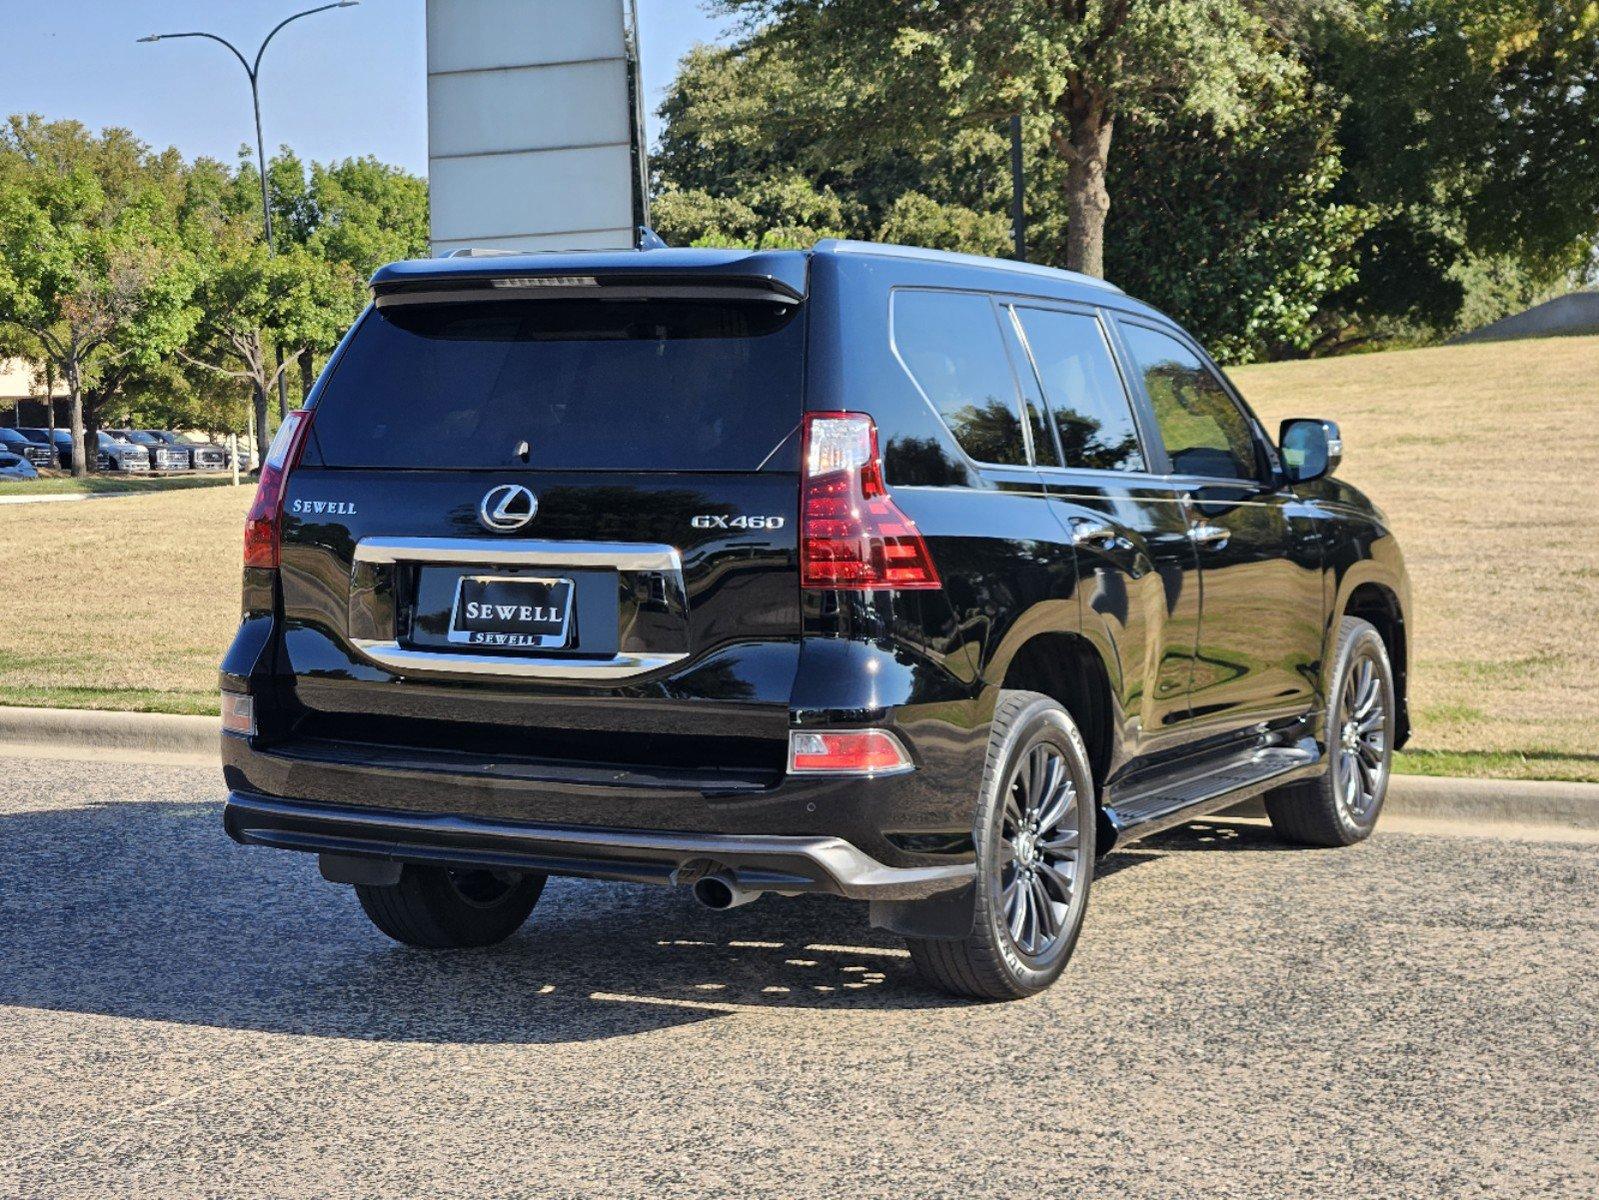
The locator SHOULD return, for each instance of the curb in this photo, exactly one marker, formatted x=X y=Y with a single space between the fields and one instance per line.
x=92 y=731
x=95 y=733
x=1486 y=801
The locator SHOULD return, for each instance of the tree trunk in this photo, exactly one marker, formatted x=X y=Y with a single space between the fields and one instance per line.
x=282 y=383
x=80 y=463
x=1087 y=150
x=307 y=375
x=261 y=440
x=50 y=396
x=91 y=432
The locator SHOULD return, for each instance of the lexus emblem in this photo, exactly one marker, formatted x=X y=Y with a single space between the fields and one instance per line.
x=507 y=507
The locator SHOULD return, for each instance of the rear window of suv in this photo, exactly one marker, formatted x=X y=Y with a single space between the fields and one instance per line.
x=652 y=384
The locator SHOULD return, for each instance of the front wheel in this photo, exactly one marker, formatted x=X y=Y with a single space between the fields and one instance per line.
x=1341 y=807
x=447 y=908
x=1034 y=842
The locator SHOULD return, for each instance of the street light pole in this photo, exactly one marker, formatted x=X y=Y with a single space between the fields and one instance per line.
x=253 y=71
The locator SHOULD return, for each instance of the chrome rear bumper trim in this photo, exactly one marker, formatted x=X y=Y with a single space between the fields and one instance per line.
x=641 y=557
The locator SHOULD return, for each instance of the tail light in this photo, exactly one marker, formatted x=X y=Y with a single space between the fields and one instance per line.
x=238 y=714
x=264 y=526
x=852 y=534
x=847 y=752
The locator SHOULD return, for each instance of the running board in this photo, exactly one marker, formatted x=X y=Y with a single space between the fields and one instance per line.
x=1152 y=810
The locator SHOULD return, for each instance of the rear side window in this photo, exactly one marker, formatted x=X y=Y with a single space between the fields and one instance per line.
x=628 y=385
x=1204 y=431
x=950 y=343
x=1084 y=390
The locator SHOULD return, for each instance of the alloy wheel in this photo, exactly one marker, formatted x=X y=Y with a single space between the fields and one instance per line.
x=1363 y=739
x=1040 y=839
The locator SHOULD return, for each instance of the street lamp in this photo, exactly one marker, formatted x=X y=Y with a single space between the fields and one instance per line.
x=253 y=70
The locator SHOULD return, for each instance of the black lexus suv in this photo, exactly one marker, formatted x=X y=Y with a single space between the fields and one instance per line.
x=909 y=577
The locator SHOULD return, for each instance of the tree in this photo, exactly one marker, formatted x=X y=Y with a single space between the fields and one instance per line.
x=355 y=215
x=89 y=264
x=247 y=300
x=1240 y=234
x=908 y=73
x=1469 y=128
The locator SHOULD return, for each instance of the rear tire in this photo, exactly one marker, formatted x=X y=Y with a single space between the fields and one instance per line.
x=442 y=908
x=1034 y=840
x=1341 y=807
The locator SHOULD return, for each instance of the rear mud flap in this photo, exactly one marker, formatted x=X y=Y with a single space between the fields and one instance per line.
x=947 y=915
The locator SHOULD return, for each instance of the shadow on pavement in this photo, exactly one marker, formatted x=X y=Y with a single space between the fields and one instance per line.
x=147 y=910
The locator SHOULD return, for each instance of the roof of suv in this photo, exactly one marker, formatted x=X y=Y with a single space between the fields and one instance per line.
x=785 y=270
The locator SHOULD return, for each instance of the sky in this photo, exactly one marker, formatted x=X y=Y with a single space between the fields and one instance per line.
x=340 y=83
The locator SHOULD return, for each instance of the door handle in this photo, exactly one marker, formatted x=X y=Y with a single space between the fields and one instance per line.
x=1209 y=535
x=1094 y=533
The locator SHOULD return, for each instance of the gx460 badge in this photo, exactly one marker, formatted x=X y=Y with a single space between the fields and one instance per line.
x=717 y=521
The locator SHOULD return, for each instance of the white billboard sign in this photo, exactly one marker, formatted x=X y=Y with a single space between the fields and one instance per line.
x=534 y=131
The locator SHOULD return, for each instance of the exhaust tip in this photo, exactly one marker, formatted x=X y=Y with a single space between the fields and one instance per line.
x=719 y=892
x=714 y=892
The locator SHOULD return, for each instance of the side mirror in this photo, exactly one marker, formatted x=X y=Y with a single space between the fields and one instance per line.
x=1311 y=449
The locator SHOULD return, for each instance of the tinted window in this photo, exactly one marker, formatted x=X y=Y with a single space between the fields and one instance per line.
x=1044 y=452
x=1204 y=431
x=950 y=343
x=1084 y=389
x=658 y=385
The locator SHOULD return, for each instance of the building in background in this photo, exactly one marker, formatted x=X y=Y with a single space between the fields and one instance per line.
x=22 y=397
x=1573 y=315
x=535 y=125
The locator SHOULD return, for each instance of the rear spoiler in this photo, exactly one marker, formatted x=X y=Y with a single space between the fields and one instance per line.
x=555 y=287
x=780 y=277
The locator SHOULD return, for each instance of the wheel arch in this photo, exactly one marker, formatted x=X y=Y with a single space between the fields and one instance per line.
x=1379 y=604
x=1068 y=668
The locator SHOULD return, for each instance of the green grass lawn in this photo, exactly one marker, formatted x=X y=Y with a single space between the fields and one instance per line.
x=109 y=485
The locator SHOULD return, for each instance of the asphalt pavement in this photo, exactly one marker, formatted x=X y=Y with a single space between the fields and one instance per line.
x=180 y=1016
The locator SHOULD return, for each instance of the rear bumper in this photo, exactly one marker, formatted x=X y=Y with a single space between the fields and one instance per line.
x=787 y=864
x=883 y=817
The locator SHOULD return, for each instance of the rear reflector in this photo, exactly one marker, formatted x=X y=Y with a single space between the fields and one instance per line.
x=238 y=714
x=264 y=526
x=847 y=752
x=853 y=536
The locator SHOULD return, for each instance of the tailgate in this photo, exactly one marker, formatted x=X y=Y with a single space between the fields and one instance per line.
x=561 y=528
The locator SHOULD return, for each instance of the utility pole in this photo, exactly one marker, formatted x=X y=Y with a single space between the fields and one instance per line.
x=1018 y=218
x=253 y=70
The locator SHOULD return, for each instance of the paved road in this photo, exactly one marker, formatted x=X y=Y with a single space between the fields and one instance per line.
x=182 y=1017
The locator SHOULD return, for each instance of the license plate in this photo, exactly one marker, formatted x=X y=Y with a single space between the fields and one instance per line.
x=515 y=612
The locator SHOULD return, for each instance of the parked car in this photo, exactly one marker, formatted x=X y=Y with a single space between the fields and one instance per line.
x=41 y=437
x=14 y=441
x=203 y=456
x=16 y=466
x=163 y=456
x=911 y=577
x=112 y=454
